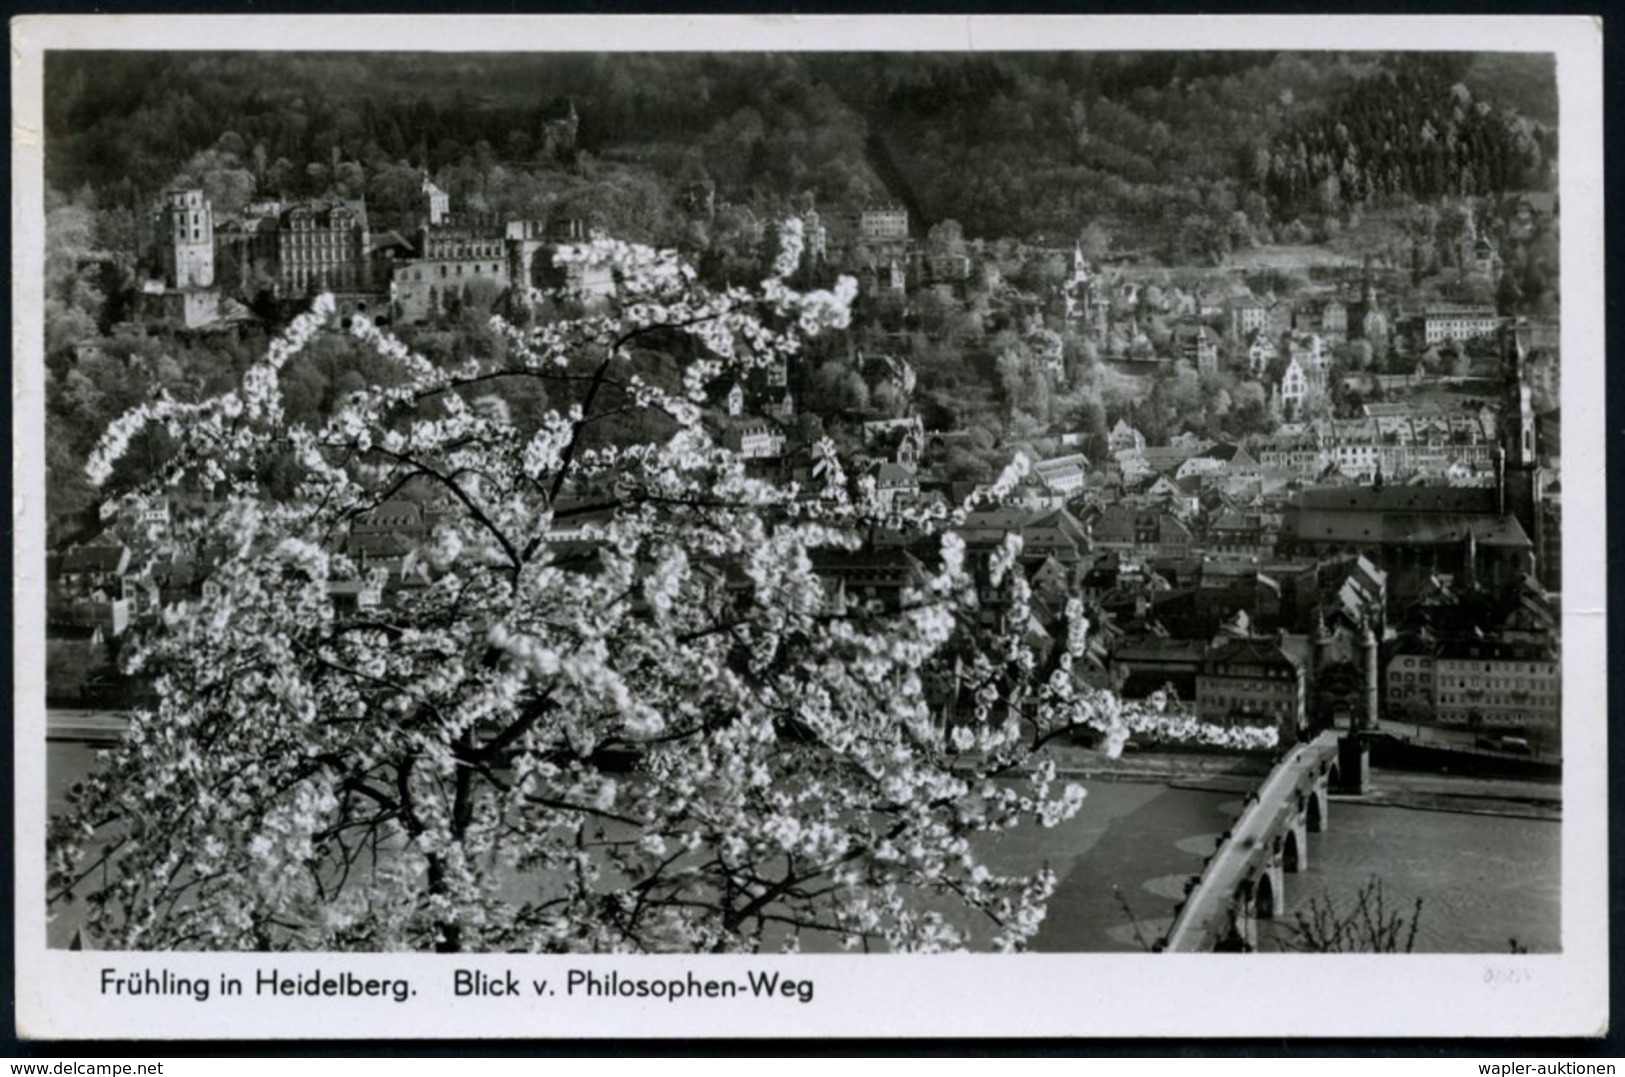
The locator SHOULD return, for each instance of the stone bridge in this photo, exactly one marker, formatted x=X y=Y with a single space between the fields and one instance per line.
x=1245 y=879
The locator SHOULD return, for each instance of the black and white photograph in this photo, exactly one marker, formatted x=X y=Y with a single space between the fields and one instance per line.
x=694 y=532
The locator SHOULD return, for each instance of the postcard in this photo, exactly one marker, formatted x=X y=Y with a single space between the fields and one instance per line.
x=808 y=526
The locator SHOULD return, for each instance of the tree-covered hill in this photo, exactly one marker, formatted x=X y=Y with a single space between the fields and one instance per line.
x=1184 y=154
x=1414 y=129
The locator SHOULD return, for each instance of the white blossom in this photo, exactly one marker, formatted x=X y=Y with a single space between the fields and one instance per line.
x=605 y=686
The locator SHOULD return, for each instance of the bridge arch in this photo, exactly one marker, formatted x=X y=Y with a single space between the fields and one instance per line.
x=1292 y=853
x=1264 y=897
x=1315 y=809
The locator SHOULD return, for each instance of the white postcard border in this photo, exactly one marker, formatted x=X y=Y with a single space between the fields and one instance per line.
x=58 y=994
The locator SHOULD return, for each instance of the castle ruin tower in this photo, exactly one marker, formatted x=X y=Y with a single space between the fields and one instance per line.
x=523 y=238
x=187 y=240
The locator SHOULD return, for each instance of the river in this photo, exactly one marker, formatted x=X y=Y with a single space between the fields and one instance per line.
x=1123 y=862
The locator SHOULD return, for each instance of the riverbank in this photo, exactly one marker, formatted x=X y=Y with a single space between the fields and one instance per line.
x=1214 y=773
x=1090 y=764
x=1507 y=797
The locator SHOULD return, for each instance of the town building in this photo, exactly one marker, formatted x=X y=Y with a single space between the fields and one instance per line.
x=894 y=483
x=1294 y=388
x=1441 y=324
x=1479 y=683
x=875 y=575
x=1395 y=441
x=91 y=591
x=1412 y=533
x=1226 y=586
x=1124 y=438
x=1258 y=682
x=1065 y=475
x=1145 y=665
x=1247 y=316
x=1218 y=459
x=753 y=439
x=1141 y=532
x=388 y=532
x=179 y=308
x=1239 y=534
x=883 y=225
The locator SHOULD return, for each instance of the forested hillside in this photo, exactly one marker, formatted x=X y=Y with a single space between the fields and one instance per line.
x=1186 y=155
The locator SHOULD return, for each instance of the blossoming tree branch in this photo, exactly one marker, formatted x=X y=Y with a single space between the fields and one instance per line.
x=609 y=703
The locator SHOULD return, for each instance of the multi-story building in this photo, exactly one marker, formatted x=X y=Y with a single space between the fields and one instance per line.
x=754 y=439
x=1254 y=682
x=1412 y=532
x=1221 y=458
x=1065 y=475
x=1247 y=316
x=1479 y=683
x=1408 y=683
x=894 y=482
x=246 y=248
x=1170 y=538
x=453 y=256
x=323 y=246
x=1397 y=443
x=91 y=590
x=884 y=224
x=1294 y=384
x=1152 y=664
x=1440 y=324
x=1298 y=453
x=1225 y=586
x=1239 y=534
x=1044 y=534
x=1142 y=532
